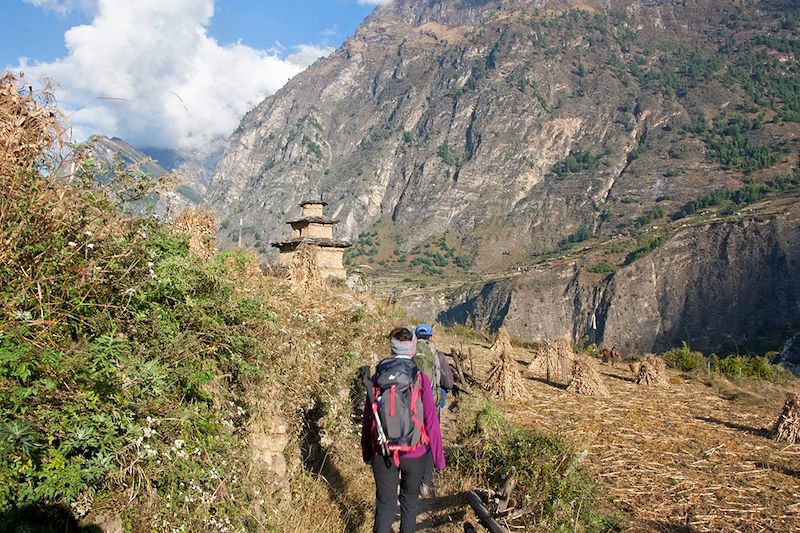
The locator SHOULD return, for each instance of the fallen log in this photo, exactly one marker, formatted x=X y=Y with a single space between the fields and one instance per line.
x=483 y=513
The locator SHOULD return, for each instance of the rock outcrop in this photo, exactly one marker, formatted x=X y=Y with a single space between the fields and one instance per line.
x=719 y=286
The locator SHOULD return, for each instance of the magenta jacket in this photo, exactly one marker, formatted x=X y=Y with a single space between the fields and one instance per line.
x=369 y=447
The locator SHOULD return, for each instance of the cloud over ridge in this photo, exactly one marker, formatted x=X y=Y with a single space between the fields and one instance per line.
x=148 y=72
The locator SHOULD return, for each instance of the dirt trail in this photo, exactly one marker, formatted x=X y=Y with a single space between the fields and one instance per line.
x=448 y=510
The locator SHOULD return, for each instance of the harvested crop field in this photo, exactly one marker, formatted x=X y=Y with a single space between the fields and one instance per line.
x=677 y=458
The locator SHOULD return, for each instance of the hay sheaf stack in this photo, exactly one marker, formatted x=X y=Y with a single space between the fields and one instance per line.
x=304 y=271
x=653 y=372
x=553 y=359
x=199 y=225
x=538 y=364
x=586 y=379
x=504 y=379
x=787 y=426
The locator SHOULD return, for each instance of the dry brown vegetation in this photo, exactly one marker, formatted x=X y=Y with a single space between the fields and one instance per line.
x=677 y=458
x=787 y=426
x=585 y=378
x=30 y=125
x=304 y=272
x=199 y=225
x=653 y=372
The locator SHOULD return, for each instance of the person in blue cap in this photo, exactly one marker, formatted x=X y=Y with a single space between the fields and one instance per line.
x=434 y=364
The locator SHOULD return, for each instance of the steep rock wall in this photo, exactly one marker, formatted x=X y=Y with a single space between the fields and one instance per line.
x=714 y=285
x=454 y=116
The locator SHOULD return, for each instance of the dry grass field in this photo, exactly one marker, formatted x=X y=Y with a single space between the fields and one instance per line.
x=690 y=456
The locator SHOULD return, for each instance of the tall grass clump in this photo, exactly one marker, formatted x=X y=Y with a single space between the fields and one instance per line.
x=550 y=480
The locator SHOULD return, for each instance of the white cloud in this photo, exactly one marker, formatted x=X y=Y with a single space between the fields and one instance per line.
x=148 y=72
x=62 y=7
x=307 y=54
x=374 y=2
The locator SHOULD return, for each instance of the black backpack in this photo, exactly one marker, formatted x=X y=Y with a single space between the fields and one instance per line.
x=398 y=393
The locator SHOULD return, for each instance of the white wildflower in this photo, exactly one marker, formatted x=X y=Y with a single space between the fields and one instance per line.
x=72 y=244
x=179 y=444
x=90 y=246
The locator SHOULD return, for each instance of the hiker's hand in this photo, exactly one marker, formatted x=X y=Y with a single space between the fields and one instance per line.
x=443 y=400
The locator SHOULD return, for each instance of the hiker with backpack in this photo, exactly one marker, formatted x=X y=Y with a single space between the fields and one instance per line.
x=400 y=430
x=433 y=363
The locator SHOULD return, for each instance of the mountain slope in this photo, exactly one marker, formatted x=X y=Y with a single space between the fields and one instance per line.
x=517 y=124
x=191 y=169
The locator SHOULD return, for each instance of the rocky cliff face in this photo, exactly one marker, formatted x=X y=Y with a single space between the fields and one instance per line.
x=510 y=123
x=719 y=286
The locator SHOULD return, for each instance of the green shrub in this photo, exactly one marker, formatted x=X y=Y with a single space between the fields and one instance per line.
x=742 y=366
x=549 y=472
x=734 y=366
x=583 y=233
x=684 y=359
x=577 y=161
x=446 y=154
x=603 y=267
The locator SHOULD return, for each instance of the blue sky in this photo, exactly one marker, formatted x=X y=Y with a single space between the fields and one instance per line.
x=169 y=73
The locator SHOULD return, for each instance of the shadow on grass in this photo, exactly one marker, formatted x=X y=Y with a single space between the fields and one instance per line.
x=43 y=519
x=443 y=510
x=621 y=378
x=666 y=527
x=561 y=386
x=317 y=461
x=762 y=432
x=783 y=469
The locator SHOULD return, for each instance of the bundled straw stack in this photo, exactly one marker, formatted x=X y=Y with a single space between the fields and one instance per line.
x=653 y=372
x=504 y=380
x=304 y=271
x=502 y=343
x=199 y=225
x=538 y=365
x=553 y=359
x=586 y=379
x=787 y=427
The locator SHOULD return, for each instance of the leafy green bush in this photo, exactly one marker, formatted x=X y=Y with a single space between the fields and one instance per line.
x=733 y=366
x=603 y=267
x=741 y=366
x=645 y=243
x=446 y=154
x=684 y=359
x=578 y=160
x=583 y=233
